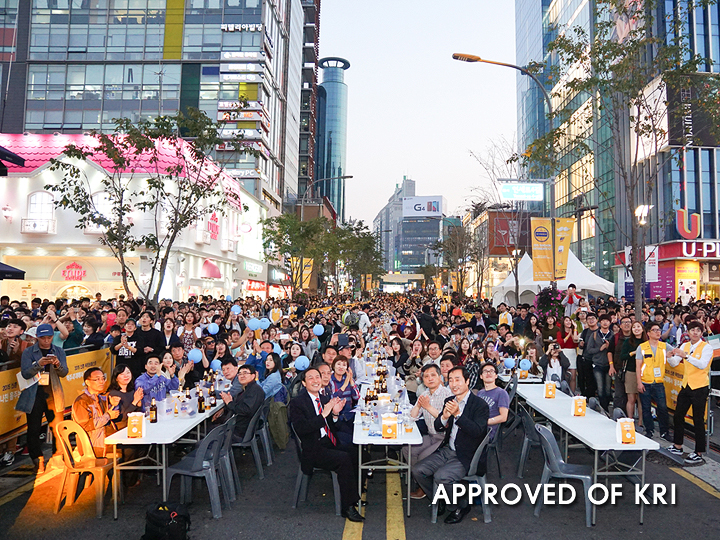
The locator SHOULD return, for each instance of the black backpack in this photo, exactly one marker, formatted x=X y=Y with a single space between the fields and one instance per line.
x=166 y=521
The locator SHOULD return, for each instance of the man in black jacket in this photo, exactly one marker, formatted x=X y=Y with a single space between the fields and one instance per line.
x=464 y=420
x=427 y=323
x=246 y=403
x=313 y=416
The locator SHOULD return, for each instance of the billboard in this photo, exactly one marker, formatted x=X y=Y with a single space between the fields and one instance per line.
x=508 y=231
x=423 y=206
x=522 y=191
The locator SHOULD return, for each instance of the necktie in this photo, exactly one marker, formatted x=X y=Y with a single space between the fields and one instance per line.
x=327 y=428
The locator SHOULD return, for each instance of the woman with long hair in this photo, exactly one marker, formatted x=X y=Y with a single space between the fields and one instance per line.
x=190 y=331
x=554 y=362
x=309 y=342
x=397 y=353
x=411 y=368
x=533 y=331
x=464 y=350
x=123 y=386
x=491 y=352
x=170 y=336
x=627 y=363
x=532 y=353
x=549 y=330
x=272 y=380
x=568 y=339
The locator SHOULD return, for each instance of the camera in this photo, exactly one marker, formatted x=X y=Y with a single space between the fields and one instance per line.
x=555 y=346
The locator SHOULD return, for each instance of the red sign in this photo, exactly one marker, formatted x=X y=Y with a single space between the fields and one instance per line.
x=214 y=226
x=257 y=286
x=73 y=272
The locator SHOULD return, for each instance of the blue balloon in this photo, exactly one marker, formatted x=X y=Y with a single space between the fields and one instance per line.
x=318 y=330
x=236 y=310
x=228 y=298
x=277 y=349
x=195 y=355
x=216 y=365
x=302 y=363
x=265 y=323
x=525 y=364
x=253 y=324
x=213 y=328
x=509 y=363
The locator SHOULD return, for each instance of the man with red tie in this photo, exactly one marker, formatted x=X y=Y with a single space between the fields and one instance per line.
x=312 y=416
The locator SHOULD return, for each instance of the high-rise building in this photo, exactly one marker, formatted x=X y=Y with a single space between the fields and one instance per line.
x=308 y=97
x=74 y=65
x=331 y=143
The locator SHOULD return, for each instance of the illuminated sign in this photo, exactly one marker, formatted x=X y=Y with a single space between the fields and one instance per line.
x=241 y=77
x=243 y=55
x=258 y=286
x=242 y=27
x=522 y=191
x=255 y=268
x=74 y=272
x=241 y=68
x=238 y=116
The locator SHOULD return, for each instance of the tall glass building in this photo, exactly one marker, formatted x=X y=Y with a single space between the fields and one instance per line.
x=331 y=141
x=76 y=64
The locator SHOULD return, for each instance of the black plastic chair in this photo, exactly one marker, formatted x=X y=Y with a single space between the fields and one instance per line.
x=513 y=420
x=250 y=440
x=555 y=467
x=532 y=439
x=303 y=480
x=565 y=388
x=264 y=430
x=473 y=478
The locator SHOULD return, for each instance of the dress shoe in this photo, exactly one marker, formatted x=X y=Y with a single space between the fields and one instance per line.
x=456 y=516
x=417 y=494
x=352 y=514
x=441 y=508
x=39 y=465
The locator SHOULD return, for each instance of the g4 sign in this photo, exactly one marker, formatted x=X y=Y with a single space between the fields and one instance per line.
x=691 y=230
x=429 y=206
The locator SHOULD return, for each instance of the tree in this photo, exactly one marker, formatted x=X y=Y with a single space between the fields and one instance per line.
x=455 y=250
x=151 y=169
x=355 y=247
x=614 y=83
x=288 y=239
x=429 y=271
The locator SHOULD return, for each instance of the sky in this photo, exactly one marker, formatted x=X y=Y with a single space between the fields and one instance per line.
x=412 y=109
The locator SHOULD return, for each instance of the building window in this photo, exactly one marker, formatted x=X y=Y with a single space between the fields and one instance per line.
x=40 y=205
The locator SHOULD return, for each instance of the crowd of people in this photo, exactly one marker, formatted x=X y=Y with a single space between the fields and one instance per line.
x=310 y=354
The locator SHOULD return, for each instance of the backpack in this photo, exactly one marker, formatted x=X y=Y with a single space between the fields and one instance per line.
x=166 y=521
x=350 y=319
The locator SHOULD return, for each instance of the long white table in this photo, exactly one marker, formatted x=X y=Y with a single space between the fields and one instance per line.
x=363 y=438
x=530 y=379
x=164 y=432
x=594 y=430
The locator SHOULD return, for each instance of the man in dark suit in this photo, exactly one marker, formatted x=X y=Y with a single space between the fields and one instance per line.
x=313 y=416
x=245 y=404
x=464 y=420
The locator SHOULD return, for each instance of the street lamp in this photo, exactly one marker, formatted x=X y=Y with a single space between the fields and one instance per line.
x=310 y=185
x=462 y=57
x=642 y=212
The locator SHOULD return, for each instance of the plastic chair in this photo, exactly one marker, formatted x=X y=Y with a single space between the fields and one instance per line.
x=251 y=440
x=594 y=404
x=618 y=413
x=473 y=477
x=264 y=430
x=513 y=420
x=203 y=462
x=532 y=439
x=565 y=388
x=79 y=460
x=555 y=467
x=303 y=480
x=227 y=461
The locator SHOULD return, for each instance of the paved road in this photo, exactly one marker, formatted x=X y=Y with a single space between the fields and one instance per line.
x=264 y=510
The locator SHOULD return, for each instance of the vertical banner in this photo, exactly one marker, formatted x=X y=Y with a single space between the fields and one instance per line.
x=542 y=248
x=652 y=274
x=563 y=236
x=454 y=280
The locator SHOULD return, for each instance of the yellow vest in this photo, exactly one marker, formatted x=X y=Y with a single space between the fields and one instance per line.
x=506 y=318
x=652 y=361
x=695 y=377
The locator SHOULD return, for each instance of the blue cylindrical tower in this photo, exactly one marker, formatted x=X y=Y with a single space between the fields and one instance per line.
x=331 y=145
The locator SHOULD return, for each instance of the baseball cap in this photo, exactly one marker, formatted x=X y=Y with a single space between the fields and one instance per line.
x=44 y=330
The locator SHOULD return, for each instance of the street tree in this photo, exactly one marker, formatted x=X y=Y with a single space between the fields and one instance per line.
x=456 y=252
x=354 y=246
x=162 y=168
x=614 y=81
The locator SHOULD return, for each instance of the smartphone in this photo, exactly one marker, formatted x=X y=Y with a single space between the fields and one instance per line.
x=343 y=340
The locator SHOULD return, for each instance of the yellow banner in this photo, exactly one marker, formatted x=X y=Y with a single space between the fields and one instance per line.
x=11 y=420
x=454 y=280
x=563 y=236
x=306 y=270
x=542 y=249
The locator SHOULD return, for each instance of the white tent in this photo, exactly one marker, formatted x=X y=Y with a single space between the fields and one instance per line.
x=584 y=280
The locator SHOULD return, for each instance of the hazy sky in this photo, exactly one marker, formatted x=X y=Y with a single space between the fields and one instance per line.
x=413 y=110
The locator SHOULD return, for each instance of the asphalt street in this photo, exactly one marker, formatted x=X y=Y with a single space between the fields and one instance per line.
x=263 y=510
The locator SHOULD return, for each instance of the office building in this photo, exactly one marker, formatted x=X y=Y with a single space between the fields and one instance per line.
x=331 y=143
x=308 y=96
x=74 y=65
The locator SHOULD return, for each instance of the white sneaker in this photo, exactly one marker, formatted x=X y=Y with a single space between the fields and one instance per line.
x=7 y=458
x=675 y=451
x=694 y=459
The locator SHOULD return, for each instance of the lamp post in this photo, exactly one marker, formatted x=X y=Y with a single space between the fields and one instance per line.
x=312 y=185
x=473 y=58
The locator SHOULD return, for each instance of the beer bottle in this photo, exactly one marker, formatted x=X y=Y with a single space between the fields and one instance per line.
x=201 y=402
x=153 y=412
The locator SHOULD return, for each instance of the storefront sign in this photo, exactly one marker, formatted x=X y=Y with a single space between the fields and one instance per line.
x=241 y=77
x=242 y=27
x=688 y=230
x=73 y=272
x=241 y=68
x=542 y=249
x=243 y=55
x=253 y=267
x=278 y=275
x=213 y=226
x=240 y=116
x=255 y=286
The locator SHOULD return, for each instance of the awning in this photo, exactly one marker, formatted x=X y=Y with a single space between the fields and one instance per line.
x=210 y=270
x=7 y=155
x=10 y=272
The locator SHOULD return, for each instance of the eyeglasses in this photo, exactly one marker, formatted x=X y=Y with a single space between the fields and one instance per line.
x=485 y=371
